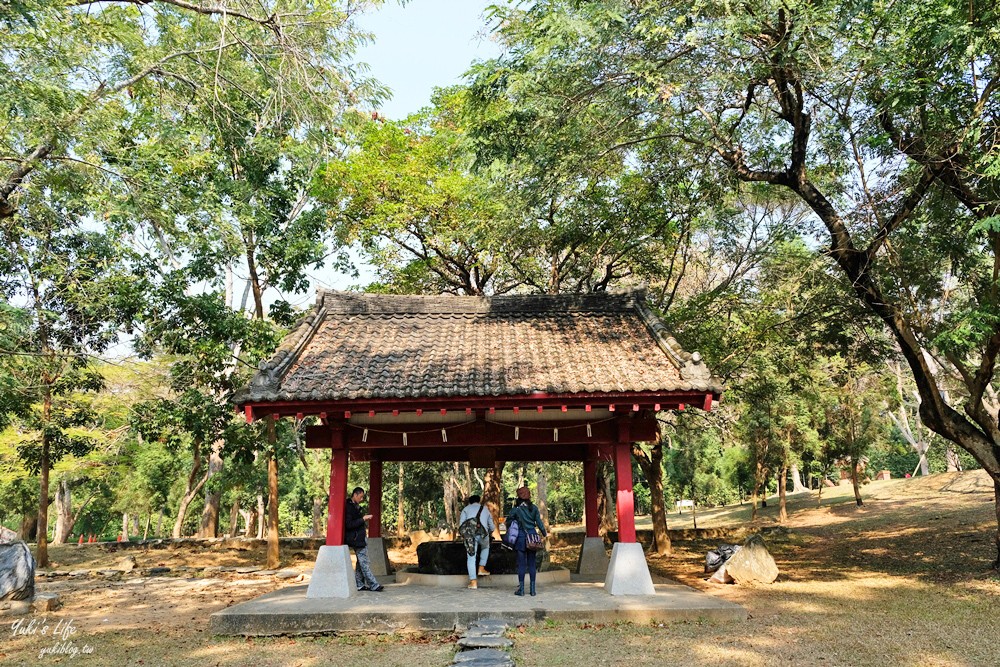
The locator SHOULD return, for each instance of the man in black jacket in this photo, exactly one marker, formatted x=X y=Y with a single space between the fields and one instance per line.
x=356 y=537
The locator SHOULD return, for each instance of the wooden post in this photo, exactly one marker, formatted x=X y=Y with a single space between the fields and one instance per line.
x=625 y=500
x=338 y=489
x=375 y=498
x=590 y=496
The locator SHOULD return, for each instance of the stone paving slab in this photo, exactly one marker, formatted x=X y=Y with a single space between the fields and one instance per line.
x=407 y=607
x=484 y=642
x=483 y=657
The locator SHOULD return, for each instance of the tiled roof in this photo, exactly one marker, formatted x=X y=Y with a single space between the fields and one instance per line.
x=361 y=346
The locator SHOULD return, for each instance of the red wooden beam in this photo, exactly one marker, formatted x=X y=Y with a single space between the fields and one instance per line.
x=485 y=433
x=665 y=398
x=554 y=452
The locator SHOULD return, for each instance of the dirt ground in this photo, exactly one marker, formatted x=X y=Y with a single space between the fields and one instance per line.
x=904 y=580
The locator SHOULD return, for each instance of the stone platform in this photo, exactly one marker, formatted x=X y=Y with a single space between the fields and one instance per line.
x=408 y=607
x=504 y=581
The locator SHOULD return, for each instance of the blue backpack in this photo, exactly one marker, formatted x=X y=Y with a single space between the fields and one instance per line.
x=513 y=530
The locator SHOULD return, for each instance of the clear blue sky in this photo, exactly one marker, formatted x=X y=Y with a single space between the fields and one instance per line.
x=423 y=45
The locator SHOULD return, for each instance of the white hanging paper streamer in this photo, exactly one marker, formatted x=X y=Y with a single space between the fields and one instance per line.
x=555 y=435
x=589 y=434
x=364 y=436
x=404 y=440
x=444 y=435
x=517 y=432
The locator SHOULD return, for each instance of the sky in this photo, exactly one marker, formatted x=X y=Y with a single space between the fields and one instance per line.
x=422 y=45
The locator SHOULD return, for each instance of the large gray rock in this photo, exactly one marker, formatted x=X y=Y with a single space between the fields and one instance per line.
x=17 y=572
x=449 y=558
x=753 y=563
x=8 y=536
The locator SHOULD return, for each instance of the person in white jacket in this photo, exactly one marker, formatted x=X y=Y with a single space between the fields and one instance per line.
x=472 y=509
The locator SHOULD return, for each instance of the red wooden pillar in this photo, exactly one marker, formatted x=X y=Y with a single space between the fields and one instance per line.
x=590 y=496
x=624 y=501
x=338 y=489
x=375 y=498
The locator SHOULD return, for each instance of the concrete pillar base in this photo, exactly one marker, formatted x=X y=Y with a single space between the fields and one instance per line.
x=333 y=575
x=628 y=573
x=593 y=558
x=378 y=557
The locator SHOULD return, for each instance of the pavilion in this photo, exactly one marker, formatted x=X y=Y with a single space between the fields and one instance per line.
x=480 y=379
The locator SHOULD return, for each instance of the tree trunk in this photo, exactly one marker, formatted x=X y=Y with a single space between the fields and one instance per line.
x=450 y=500
x=400 y=513
x=145 y=531
x=652 y=469
x=29 y=526
x=606 y=499
x=124 y=526
x=782 y=505
x=925 y=468
x=213 y=494
x=234 y=517
x=996 y=508
x=159 y=523
x=318 y=525
x=952 y=460
x=249 y=521
x=64 y=513
x=261 y=525
x=856 y=483
x=797 y=486
x=43 y=485
x=273 y=546
x=193 y=487
x=542 y=494
x=493 y=490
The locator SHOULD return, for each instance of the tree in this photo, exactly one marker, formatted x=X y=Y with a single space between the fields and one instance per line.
x=74 y=70
x=408 y=198
x=854 y=422
x=883 y=130
x=76 y=286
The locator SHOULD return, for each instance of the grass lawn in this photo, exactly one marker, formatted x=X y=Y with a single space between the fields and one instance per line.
x=904 y=580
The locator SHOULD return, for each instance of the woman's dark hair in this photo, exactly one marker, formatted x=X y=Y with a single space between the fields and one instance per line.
x=473 y=499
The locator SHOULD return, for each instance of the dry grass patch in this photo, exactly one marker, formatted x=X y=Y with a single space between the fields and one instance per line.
x=902 y=581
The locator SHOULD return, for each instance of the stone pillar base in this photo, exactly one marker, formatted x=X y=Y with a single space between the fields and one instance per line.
x=378 y=557
x=333 y=575
x=628 y=573
x=593 y=558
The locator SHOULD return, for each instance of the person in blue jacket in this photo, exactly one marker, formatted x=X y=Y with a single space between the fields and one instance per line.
x=528 y=521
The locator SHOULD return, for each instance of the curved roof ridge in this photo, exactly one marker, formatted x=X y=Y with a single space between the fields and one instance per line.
x=355 y=302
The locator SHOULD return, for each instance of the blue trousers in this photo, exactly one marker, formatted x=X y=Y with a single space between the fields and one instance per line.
x=483 y=542
x=526 y=560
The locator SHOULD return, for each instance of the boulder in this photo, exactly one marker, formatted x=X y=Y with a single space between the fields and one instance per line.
x=717 y=557
x=15 y=607
x=17 y=572
x=752 y=563
x=126 y=563
x=450 y=558
x=8 y=536
x=721 y=576
x=46 y=602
